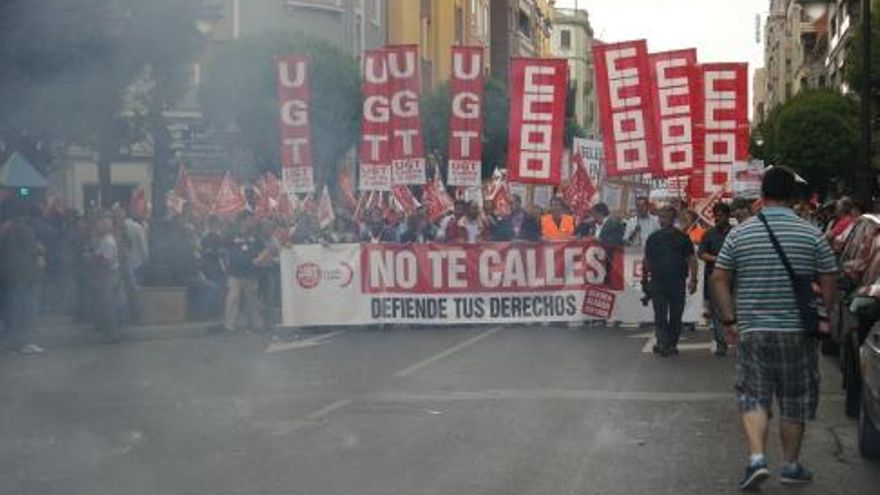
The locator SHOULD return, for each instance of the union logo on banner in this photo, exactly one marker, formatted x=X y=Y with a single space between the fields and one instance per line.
x=598 y=303
x=408 y=171
x=296 y=180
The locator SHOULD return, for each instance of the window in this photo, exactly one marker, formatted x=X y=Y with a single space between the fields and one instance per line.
x=459 y=26
x=525 y=24
x=565 y=39
x=376 y=15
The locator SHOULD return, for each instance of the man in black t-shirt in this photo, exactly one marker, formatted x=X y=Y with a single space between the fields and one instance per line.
x=669 y=261
x=246 y=256
x=710 y=246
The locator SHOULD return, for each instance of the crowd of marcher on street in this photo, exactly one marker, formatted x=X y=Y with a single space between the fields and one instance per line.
x=90 y=266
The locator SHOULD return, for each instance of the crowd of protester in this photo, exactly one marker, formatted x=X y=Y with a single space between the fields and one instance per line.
x=91 y=265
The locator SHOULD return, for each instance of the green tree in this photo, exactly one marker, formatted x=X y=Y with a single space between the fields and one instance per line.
x=815 y=133
x=74 y=70
x=436 y=107
x=239 y=90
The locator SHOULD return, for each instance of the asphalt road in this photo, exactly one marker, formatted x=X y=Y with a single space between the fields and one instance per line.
x=489 y=410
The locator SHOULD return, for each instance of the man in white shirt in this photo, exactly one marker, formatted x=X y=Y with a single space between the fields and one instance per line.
x=139 y=250
x=640 y=227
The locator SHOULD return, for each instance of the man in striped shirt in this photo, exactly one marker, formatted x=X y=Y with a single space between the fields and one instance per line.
x=775 y=356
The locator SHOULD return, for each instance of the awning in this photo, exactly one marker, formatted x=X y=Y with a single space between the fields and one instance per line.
x=18 y=172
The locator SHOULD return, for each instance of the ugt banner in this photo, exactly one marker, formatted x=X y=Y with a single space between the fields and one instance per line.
x=723 y=133
x=294 y=129
x=538 y=89
x=407 y=147
x=375 y=156
x=466 y=117
x=676 y=106
x=443 y=284
x=626 y=109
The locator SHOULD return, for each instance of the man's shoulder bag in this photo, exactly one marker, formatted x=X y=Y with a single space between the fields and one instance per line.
x=807 y=307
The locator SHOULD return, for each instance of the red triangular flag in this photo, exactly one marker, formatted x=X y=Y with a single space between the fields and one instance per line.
x=347 y=187
x=230 y=199
x=579 y=193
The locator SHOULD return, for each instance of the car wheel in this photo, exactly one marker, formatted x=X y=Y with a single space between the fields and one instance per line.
x=852 y=382
x=869 y=436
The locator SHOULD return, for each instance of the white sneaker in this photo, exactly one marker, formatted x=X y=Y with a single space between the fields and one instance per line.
x=31 y=350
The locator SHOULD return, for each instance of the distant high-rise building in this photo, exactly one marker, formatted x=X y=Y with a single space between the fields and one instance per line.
x=572 y=39
x=519 y=28
x=759 y=96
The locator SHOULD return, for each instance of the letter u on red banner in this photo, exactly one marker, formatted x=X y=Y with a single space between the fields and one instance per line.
x=407 y=146
x=466 y=116
x=623 y=84
x=722 y=133
x=538 y=89
x=375 y=156
x=674 y=87
x=293 y=123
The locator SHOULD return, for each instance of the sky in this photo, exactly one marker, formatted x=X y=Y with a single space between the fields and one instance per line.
x=721 y=30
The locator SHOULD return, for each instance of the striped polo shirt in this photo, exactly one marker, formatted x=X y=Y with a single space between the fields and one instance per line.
x=764 y=296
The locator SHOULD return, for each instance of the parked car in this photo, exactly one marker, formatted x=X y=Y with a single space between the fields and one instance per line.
x=860 y=304
x=869 y=417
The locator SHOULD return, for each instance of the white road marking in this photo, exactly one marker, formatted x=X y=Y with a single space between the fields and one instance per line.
x=301 y=344
x=286 y=427
x=548 y=394
x=448 y=352
x=328 y=409
x=648 y=348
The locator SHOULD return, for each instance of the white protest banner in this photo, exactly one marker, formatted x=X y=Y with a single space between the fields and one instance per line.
x=471 y=284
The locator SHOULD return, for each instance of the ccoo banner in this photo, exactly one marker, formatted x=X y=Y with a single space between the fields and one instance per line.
x=538 y=89
x=294 y=127
x=722 y=135
x=407 y=146
x=624 y=92
x=466 y=117
x=676 y=106
x=375 y=156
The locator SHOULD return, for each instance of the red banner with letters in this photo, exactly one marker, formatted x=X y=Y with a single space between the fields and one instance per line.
x=489 y=267
x=375 y=155
x=407 y=146
x=676 y=105
x=625 y=96
x=466 y=117
x=538 y=89
x=722 y=134
x=293 y=123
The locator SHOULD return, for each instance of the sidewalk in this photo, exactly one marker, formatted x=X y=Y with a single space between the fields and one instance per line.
x=54 y=330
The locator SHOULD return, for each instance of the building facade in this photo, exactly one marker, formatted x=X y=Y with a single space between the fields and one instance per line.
x=759 y=96
x=519 y=28
x=351 y=25
x=796 y=44
x=572 y=39
x=436 y=26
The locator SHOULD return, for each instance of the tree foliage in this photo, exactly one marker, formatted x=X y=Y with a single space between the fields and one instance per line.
x=91 y=72
x=239 y=90
x=815 y=133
